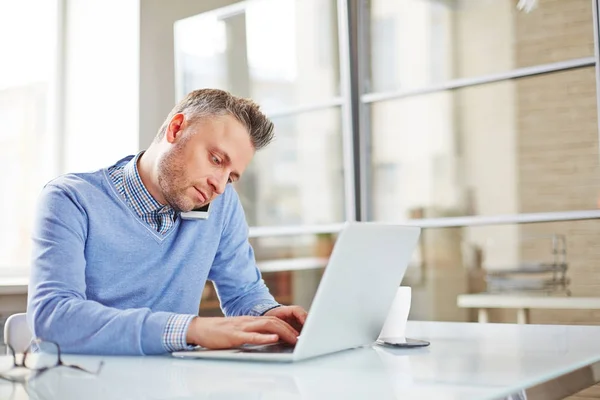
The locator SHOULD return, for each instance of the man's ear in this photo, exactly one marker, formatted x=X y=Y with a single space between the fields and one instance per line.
x=175 y=128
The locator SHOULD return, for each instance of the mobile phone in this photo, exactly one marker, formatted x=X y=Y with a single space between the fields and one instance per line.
x=197 y=213
x=402 y=342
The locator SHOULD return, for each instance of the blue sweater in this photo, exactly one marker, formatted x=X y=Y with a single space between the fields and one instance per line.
x=104 y=282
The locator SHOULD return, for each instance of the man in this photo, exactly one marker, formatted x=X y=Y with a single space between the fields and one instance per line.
x=116 y=270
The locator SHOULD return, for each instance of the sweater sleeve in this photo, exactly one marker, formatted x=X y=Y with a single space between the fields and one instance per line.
x=237 y=279
x=57 y=308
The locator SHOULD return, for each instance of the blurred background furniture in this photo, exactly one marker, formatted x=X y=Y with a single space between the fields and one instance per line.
x=545 y=274
x=523 y=303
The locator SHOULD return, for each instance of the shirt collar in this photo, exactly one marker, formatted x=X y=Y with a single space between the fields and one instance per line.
x=136 y=192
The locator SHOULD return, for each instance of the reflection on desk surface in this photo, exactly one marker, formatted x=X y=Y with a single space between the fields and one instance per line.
x=474 y=361
x=368 y=373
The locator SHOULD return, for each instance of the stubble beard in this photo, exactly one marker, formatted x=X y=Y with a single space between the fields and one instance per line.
x=172 y=180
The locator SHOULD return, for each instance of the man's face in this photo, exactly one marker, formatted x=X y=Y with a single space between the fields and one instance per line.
x=201 y=159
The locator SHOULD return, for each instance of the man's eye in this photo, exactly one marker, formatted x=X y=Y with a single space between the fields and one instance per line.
x=216 y=160
x=229 y=180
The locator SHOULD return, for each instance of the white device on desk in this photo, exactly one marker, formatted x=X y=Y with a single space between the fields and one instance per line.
x=353 y=299
x=197 y=213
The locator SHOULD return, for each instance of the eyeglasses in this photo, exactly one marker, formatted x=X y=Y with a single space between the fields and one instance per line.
x=40 y=356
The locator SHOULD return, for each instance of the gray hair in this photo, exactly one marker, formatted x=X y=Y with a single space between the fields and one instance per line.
x=211 y=102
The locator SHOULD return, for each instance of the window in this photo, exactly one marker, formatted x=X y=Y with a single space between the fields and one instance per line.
x=429 y=42
x=284 y=54
x=509 y=147
x=466 y=108
x=27 y=156
x=294 y=75
x=487 y=110
x=459 y=260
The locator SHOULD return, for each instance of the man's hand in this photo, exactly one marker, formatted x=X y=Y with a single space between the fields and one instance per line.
x=293 y=315
x=225 y=333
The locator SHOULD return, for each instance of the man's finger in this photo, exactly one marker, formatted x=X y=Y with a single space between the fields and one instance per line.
x=284 y=325
x=274 y=325
x=300 y=314
x=257 y=338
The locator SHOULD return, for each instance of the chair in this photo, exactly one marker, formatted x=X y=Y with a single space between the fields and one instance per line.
x=17 y=333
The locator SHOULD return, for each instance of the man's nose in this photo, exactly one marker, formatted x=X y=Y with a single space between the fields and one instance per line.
x=219 y=182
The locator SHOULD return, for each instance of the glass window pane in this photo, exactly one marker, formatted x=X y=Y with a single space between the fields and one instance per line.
x=293 y=51
x=526 y=145
x=416 y=43
x=297 y=179
x=25 y=80
x=200 y=53
x=281 y=53
x=459 y=260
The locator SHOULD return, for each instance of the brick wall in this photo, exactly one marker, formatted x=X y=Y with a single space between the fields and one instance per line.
x=557 y=144
x=557 y=30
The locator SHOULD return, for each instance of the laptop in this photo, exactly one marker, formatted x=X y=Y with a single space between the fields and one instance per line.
x=352 y=301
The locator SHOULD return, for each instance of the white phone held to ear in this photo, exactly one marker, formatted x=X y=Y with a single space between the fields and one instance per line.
x=197 y=213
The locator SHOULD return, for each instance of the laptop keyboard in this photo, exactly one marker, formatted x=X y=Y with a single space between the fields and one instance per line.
x=270 y=348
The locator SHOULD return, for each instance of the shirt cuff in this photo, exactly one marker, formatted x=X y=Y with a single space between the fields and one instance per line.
x=261 y=308
x=175 y=333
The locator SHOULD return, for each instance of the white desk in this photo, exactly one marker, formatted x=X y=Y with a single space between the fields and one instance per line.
x=464 y=361
x=523 y=303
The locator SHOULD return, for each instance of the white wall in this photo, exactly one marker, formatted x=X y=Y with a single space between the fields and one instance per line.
x=101 y=82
